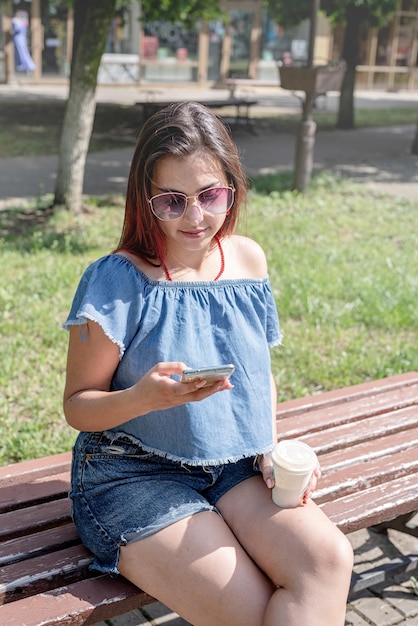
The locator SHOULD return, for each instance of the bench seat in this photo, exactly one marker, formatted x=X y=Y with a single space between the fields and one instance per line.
x=366 y=438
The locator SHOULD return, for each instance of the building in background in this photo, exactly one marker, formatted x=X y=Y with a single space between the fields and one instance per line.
x=249 y=45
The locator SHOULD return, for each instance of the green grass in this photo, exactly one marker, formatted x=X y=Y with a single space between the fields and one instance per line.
x=327 y=120
x=33 y=128
x=342 y=264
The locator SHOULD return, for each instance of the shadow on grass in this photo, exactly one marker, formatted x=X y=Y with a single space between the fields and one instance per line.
x=266 y=184
x=34 y=127
x=28 y=230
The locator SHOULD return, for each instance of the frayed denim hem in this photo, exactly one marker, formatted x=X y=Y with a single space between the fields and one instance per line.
x=163 y=454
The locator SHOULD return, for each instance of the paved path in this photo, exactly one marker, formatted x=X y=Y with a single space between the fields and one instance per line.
x=379 y=158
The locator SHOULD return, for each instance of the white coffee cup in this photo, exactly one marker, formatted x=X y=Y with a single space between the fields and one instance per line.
x=293 y=464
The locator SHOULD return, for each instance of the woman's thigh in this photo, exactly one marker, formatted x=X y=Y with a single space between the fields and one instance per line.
x=197 y=567
x=287 y=544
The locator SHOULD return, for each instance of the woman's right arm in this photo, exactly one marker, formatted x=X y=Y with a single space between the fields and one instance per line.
x=90 y=405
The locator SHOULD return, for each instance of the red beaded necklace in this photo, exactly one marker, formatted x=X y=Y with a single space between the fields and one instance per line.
x=219 y=274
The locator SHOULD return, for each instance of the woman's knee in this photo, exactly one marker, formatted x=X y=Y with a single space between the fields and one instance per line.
x=333 y=556
x=323 y=551
x=339 y=553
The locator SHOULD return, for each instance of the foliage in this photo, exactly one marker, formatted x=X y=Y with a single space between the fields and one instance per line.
x=289 y=14
x=186 y=11
x=373 y=12
x=414 y=583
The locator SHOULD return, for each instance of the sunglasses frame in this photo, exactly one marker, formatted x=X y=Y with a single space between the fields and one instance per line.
x=186 y=198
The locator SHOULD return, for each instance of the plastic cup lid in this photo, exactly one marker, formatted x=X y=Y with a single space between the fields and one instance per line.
x=294 y=455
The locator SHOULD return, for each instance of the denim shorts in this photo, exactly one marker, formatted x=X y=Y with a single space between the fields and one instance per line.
x=121 y=493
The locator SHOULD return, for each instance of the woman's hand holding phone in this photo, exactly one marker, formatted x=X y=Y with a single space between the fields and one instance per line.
x=158 y=390
x=210 y=375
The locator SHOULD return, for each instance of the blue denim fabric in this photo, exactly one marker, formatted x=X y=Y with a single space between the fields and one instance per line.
x=209 y=323
x=121 y=493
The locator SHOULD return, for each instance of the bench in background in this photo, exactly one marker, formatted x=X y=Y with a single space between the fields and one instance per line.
x=366 y=437
x=242 y=107
x=236 y=83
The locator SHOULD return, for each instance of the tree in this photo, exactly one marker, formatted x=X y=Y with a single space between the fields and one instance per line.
x=354 y=14
x=92 y=20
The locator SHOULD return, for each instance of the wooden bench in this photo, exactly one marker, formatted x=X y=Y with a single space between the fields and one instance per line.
x=235 y=83
x=242 y=108
x=366 y=437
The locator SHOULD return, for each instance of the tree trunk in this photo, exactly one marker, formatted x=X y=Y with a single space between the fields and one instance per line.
x=350 y=55
x=92 y=19
x=414 y=147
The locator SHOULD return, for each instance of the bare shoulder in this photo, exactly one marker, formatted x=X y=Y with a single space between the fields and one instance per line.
x=247 y=257
x=152 y=271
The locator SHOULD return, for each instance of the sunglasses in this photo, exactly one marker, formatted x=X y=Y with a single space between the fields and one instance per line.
x=172 y=205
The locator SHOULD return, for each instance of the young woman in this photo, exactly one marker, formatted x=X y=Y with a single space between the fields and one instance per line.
x=171 y=482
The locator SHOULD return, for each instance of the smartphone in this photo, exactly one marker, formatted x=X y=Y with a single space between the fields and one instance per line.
x=210 y=374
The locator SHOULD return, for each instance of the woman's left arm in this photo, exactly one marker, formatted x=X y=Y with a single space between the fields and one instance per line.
x=264 y=461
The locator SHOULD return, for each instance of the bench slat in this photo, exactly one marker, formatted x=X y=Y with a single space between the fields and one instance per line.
x=31 y=545
x=34 y=519
x=78 y=604
x=375 y=505
x=334 y=484
x=34 y=469
x=359 y=409
x=34 y=492
x=371 y=449
x=298 y=406
x=345 y=435
x=43 y=573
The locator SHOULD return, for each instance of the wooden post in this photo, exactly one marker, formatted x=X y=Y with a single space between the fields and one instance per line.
x=37 y=42
x=255 y=42
x=9 y=51
x=202 y=70
x=225 y=53
x=70 y=38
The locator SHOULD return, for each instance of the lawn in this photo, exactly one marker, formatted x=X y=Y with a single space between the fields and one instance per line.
x=343 y=265
x=33 y=128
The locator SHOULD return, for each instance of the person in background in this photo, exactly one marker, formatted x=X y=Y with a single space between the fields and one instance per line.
x=23 y=59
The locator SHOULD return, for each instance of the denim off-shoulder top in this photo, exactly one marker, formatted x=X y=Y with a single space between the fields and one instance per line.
x=202 y=324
